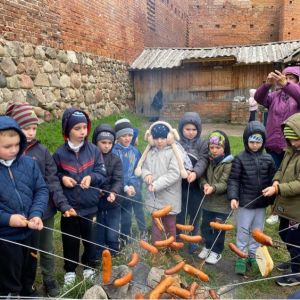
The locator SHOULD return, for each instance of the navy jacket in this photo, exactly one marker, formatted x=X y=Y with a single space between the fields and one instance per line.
x=251 y=172
x=22 y=189
x=48 y=168
x=88 y=161
x=114 y=170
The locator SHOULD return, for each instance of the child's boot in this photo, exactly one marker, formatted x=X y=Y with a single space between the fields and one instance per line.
x=240 y=266
x=254 y=266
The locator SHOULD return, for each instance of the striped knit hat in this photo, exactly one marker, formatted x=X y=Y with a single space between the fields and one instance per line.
x=289 y=133
x=23 y=113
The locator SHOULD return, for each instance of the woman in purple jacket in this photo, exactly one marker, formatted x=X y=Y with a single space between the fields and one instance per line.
x=281 y=104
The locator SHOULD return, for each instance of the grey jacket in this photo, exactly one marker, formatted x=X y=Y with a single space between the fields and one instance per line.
x=163 y=166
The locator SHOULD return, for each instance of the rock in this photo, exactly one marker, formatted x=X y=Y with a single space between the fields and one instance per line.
x=21 y=68
x=54 y=81
x=2 y=51
x=51 y=53
x=3 y=81
x=64 y=81
x=18 y=95
x=72 y=57
x=62 y=56
x=31 y=66
x=41 y=80
x=154 y=276
x=28 y=50
x=14 y=49
x=31 y=99
x=95 y=292
x=47 y=67
x=25 y=82
x=75 y=80
x=8 y=67
x=7 y=95
x=69 y=67
x=13 y=82
x=39 y=52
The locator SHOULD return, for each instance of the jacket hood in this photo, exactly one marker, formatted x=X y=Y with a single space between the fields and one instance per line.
x=227 y=150
x=294 y=122
x=100 y=128
x=10 y=123
x=190 y=118
x=251 y=128
x=292 y=70
x=65 y=119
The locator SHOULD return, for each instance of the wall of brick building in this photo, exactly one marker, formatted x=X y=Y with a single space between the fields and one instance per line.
x=114 y=29
x=290 y=20
x=233 y=22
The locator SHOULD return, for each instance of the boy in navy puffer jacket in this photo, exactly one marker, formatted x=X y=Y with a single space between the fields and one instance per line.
x=25 y=116
x=23 y=201
x=109 y=210
x=252 y=171
x=80 y=165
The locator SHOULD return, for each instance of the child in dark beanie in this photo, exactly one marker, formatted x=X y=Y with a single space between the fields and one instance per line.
x=109 y=210
x=80 y=165
x=190 y=128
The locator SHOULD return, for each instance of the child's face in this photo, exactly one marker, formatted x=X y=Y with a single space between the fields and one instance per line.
x=295 y=144
x=105 y=145
x=160 y=143
x=216 y=150
x=9 y=146
x=125 y=139
x=30 y=132
x=78 y=133
x=189 y=131
x=254 y=146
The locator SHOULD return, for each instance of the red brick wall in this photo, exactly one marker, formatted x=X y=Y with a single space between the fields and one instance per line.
x=290 y=20
x=115 y=29
x=232 y=22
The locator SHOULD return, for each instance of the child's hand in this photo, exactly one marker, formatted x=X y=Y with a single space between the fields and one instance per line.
x=148 y=179
x=70 y=213
x=111 y=198
x=234 y=204
x=130 y=191
x=86 y=182
x=191 y=177
x=68 y=182
x=151 y=188
x=35 y=223
x=18 y=221
x=269 y=191
x=208 y=189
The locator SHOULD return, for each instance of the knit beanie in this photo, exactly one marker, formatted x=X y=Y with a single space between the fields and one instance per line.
x=256 y=138
x=23 y=113
x=105 y=135
x=159 y=131
x=75 y=118
x=122 y=127
x=216 y=138
x=289 y=133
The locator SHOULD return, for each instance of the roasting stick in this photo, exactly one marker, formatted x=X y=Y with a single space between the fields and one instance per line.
x=284 y=229
x=187 y=202
x=71 y=289
x=121 y=196
x=231 y=212
x=198 y=209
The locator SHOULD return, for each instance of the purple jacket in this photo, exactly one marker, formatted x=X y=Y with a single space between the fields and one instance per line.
x=281 y=105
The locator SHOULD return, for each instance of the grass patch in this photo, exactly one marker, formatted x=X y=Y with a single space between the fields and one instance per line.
x=50 y=135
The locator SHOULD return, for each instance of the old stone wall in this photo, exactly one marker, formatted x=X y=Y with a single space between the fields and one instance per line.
x=55 y=79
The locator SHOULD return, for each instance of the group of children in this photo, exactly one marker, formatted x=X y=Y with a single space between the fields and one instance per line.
x=101 y=182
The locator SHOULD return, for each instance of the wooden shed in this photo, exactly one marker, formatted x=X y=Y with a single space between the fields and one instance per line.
x=205 y=80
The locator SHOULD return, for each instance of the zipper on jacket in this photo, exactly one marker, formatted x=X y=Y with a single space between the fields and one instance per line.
x=15 y=187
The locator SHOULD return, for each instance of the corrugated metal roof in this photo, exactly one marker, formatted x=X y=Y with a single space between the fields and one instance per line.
x=167 y=58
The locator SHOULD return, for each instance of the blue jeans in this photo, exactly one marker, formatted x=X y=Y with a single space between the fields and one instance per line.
x=277 y=157
x=209 y=234
x=104 y=236
x=126 y=214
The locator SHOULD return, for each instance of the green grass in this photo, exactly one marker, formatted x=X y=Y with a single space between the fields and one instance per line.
x=50 y=135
